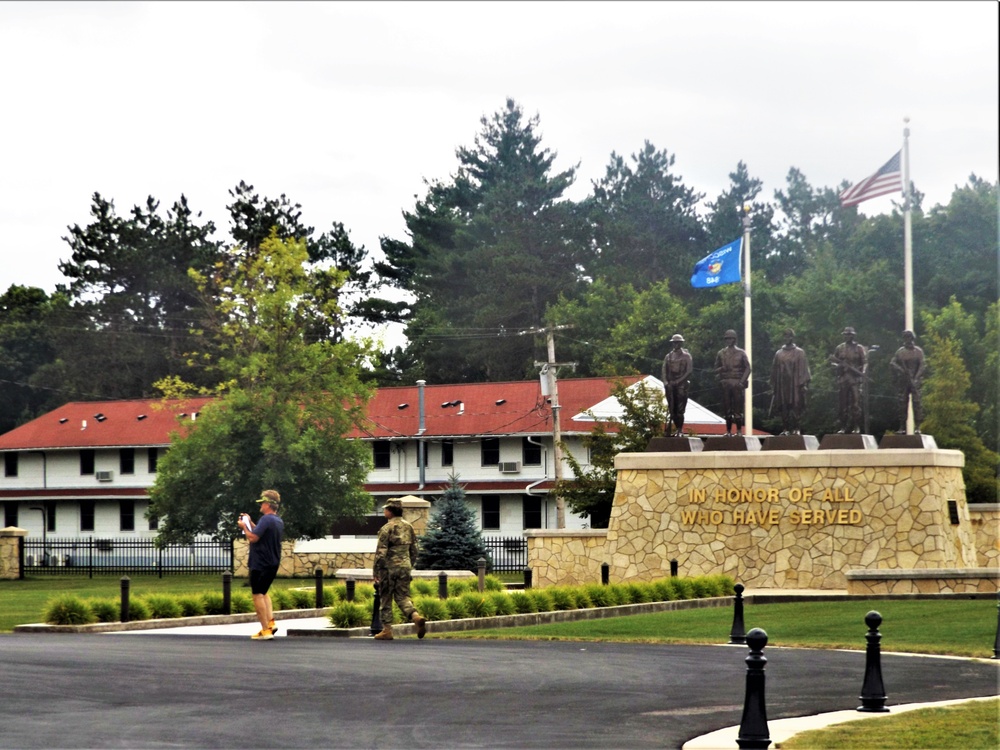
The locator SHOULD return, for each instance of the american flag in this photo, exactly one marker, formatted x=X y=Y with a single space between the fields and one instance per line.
x=888 y=179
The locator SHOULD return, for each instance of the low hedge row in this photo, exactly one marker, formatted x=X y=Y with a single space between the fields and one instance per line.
x=464 y=600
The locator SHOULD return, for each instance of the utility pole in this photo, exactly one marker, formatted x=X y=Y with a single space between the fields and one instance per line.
x=549 y=370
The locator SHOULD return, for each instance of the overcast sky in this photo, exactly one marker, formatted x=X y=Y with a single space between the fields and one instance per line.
x=347 y=107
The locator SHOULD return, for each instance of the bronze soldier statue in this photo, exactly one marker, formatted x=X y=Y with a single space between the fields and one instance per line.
x=732 y=368
x=790 y=378
x=908 y=364
x=851 y=360
x=677 y=368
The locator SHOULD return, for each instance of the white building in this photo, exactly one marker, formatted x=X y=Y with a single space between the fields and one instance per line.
x=84 y=469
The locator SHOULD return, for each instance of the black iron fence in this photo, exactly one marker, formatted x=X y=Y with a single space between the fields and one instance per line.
x=509 y=554
x=89 y=555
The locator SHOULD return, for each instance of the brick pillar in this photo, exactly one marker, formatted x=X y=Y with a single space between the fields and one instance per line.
x=10 y=561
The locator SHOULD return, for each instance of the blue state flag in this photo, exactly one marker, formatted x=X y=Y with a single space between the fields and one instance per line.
x=721 y=267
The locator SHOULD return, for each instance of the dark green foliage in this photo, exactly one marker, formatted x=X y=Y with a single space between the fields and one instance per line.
x=543 y=600
x=453 y=540
x=213 y=602
x=665 y=590
x=137 y=609
x=349 y=615
x=620 y=594
x=478 y=605
x=68 y=610
x=162 y=606
x=493 y=583
x=191 y=606
x=302 y=599
x=423 y=587
x=456 y=608
x=431 y=608
x=581 y=598
x=281 y=599
x=599 y=595
x=502 y=603
x=240 y=603
x=640 y=593
x=685 y=588
x=105 y=610
x=562 y=597
x=523 y=603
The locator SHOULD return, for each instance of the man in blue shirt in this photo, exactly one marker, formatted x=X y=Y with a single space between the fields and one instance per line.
x=265 y=556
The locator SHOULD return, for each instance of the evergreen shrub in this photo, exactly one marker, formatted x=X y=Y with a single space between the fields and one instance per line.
x=478 y=605
x=138 y=610
x=453 y=540
x=423 y=587
x=542 y=599
x=456 y=608
x=347 y=614
x=162 y=606
x=431 y=608
x=599 y=595
x=523 y=603
x=240 y=603
x=212 y=601
x=68 y=610
x=280 y=599
x=562 y=597
x=502 y=603
x=106 y=609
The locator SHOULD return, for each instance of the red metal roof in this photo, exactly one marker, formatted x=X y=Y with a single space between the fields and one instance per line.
x=104 y=424
x=515 y=407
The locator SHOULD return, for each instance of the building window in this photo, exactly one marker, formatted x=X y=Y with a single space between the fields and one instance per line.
x=50 y=516
x=154 y=523
x=531 y=453
x=421 y=447
x=126 y=460
x=86 y=461
x=491 y=451
x=126 y=512
x=10 y=464
x=10 y=514
x=447 y=452
x=491 y=513
x=86 y=515
x=532 y=512
x=154 y=455
x=380 y=454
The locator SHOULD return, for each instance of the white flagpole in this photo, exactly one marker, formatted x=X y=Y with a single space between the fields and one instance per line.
x=907 y=251
x=747 y=325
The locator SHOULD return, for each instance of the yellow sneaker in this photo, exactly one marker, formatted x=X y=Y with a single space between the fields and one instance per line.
x=263 y=635
x=272 y=626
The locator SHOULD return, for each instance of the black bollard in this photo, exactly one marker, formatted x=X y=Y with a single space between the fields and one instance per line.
x=527 y=578
x=872 y=690
x=738 y=634
x=482 y=574
x=996 y=641
x=673 y=568
x=376 y=627
x=442 y=585
x=227 y=593
x=319 y=588
x=350 y=589
x=605 y=574
x=753 y=725
x=126 y=583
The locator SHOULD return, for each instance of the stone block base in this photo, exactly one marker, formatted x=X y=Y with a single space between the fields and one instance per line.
x=924 y=581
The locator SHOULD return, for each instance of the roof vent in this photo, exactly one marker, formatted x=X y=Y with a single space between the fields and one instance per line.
x=64 y=420
x=402 y=406
x=141 y=417
x=500 y=401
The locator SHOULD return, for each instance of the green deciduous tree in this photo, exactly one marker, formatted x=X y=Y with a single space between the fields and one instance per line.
x=285 y=405
x=453 y=540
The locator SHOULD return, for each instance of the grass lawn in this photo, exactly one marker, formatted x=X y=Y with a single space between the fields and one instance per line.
x=970 y=726
x=24 y=601
x=959 y=627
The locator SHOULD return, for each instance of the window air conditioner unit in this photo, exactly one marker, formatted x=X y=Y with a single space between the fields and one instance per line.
x=510 y=467
x=105 y=476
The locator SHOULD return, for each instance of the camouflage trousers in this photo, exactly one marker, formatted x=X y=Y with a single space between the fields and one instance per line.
x=394 y=585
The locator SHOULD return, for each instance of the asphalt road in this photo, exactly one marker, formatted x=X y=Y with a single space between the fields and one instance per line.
x=123 y=691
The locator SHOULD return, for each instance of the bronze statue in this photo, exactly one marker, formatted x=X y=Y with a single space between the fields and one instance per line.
x=732 y=368
x=790 y=378
x=677 y=368
x=908 y=364
x=851 y=361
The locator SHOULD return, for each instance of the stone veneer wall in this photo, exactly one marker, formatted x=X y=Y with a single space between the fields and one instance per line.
x=774 y=519
x=985 y=518
x=566 y=557
x=10 y=568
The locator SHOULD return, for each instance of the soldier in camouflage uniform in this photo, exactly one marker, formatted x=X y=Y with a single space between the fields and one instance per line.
x=394 y=557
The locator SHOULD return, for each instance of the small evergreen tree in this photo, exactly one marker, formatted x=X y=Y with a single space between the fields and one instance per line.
x=452 y=541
